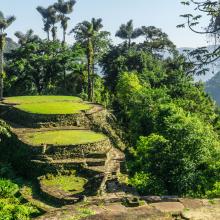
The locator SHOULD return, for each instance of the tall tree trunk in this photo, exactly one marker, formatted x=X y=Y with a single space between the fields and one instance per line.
x=2 y=42
x=64 y=78
x=36 y=81
x=64 y=36
x=1 y=72
x=129 y=43
x=93 y=79
x=53 y=30
x=64 y=67
x=48 y=35
x=90 y=69
x=89 y=77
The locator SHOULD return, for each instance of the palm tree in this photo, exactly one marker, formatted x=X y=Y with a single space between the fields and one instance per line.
x=127 y=32
x=29 y=36
x=53 y=19
x=64 y=8
x=87 y=33
x=50 y=18
x=47 y=27
x=64 y=24
x=5 y=22
x=45 y=15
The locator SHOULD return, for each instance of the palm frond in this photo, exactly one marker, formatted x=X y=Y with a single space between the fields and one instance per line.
x=42 y=11
x=19 y=34
x=10 y=20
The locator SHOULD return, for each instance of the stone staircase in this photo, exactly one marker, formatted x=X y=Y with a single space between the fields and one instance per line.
x=112 y=168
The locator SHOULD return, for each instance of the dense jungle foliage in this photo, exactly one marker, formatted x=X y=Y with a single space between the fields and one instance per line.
x=12 y=205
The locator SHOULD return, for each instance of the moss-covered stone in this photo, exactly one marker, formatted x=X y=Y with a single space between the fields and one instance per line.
x=32 y=120
x=70 y=188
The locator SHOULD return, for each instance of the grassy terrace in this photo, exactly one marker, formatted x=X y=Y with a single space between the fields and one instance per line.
x=63 y=137
x=39 y=99
x=54 y=107
x=73 y=184
x=48 y=104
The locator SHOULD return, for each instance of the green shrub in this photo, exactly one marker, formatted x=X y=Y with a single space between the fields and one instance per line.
x=7 y=188
x=215 y=192
x=146 y=184
x=12 y=206
x=4 y=129
x=12 y=209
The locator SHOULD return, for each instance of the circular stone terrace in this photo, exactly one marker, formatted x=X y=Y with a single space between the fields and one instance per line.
x=48 y=105
x=62 y=137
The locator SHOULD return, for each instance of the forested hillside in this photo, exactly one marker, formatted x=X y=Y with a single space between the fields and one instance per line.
x=213 y=87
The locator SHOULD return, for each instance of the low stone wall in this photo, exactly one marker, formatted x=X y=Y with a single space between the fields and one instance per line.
x=15 y=115
x=63 y=152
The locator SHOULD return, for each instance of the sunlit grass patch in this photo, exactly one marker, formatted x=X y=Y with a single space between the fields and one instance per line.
x=48 y=104
x=37 y=99
x=54 y=107
x=63 y=137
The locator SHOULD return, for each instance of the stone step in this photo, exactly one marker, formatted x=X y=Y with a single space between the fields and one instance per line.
x=101 y=169
x=116 y=155
x=44 y=158
x=54 y=125
x=109 y=198
x=96 y=155
x=87 y=161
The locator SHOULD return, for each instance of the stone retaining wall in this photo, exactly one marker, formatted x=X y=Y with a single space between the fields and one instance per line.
x=42 y=120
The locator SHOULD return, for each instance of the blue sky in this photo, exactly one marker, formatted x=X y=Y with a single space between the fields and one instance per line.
x=160 y=13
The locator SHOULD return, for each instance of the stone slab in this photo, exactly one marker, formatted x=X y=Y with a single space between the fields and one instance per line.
x=169 y=207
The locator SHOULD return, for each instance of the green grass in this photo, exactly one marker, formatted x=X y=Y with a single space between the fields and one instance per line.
x=48 y=104
x=63 y=137
x=54 y=108
x=37 y=99
x=73 y=184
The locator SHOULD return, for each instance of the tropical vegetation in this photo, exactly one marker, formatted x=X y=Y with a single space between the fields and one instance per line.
x=170 y=124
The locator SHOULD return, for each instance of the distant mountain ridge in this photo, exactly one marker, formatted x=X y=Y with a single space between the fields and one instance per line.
x=212 y=87
x=214 y=68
